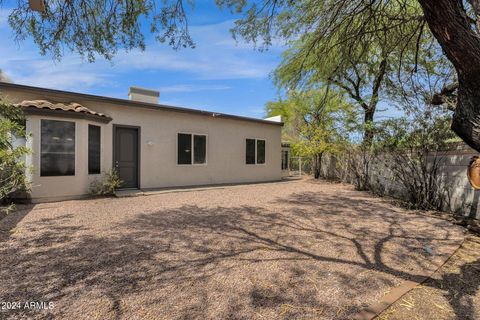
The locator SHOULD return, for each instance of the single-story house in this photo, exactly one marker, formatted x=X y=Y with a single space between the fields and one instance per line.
x=76 y=137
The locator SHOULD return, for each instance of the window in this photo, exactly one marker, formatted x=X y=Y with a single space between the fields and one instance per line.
x=199 y=149
x=260 y=151
x=250 y=151
x=93 y=149
x=184 y=148
x=57 y=150
x=255 y=151
x=284 y=159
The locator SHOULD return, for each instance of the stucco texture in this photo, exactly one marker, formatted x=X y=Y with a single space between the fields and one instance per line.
x=226 y=140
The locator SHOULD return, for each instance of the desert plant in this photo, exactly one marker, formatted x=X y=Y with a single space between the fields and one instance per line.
x=412 y=151
x=107 y=184
x=12 y=164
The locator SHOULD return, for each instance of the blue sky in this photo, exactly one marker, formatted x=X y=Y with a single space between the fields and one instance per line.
x=218 y=75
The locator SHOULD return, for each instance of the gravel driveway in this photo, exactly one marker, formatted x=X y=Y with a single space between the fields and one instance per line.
x=297 y=249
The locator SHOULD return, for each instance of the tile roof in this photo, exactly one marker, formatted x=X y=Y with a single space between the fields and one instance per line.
x=71 y=107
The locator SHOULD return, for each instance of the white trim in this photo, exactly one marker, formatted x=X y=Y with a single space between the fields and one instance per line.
x=256 y=152
x=39 y=161
x=192 y=151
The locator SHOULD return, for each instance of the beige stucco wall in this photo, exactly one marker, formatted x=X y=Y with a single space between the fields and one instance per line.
x=158 y=164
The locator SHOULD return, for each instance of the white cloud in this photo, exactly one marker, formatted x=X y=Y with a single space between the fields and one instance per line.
x=257 y=111
x=4 y=13
x=4 y=77
x=68 y=75
x=216 y=57
x=193 y=88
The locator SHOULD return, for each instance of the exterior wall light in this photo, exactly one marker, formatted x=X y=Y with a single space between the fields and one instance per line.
x=473 y=172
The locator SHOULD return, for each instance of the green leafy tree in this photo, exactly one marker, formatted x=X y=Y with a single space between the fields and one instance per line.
x=99 y=27
x=361 y=61
x=316 y=122
x=455 y=24
x=12 y=164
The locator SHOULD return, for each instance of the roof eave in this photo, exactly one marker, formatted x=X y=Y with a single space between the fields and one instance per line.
x=66 y=114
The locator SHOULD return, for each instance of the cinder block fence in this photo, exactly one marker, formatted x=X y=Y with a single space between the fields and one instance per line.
x=460 y=197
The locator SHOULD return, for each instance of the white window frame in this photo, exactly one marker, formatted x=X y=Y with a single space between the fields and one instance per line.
x=256 y=152
x=193 y=134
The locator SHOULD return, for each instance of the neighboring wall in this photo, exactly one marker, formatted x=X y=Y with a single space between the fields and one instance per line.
x=463 y=198
x=460 y=198
x=159 y=128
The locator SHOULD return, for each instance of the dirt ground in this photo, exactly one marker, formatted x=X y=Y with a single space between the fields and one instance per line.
x=453 y=292
x=287 y=250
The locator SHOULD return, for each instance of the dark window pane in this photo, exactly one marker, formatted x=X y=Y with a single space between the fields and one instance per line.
x=260 y=151
x=250 y=151
x=284 y=160
x=57 y=148
x=93 y=149
x=199 y=149
x=184 y=148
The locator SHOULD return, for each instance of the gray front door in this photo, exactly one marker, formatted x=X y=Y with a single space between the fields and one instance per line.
x=126 y=155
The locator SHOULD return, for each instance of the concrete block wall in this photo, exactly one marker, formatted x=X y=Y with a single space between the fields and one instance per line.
x=461 y=197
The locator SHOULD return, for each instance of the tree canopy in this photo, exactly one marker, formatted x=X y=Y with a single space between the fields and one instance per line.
x=100 y=27
x=365 y=32
x=317 y=121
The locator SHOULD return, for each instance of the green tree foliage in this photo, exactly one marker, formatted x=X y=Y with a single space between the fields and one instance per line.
x=316 y=122
x=362 y=49
x=12 y=164
x=101 y=27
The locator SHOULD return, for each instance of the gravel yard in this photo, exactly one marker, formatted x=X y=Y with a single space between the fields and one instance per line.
x=288 y=250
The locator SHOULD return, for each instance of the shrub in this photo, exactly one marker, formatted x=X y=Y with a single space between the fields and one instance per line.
x=12 y=164
x=107 y=184
x=404 y=160
x=412 y=151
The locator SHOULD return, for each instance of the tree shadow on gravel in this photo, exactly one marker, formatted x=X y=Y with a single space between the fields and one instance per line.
x=309 y=255
x=461 y=288
x=8 y=222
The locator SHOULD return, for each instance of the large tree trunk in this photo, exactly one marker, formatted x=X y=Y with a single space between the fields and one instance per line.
x=461 y=43
x=368 y=133
x=317 y=165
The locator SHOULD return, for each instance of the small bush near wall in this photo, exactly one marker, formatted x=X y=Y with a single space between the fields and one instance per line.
x=404 y=161
x=412 y=151
x=106 y=185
